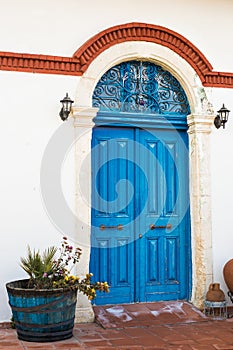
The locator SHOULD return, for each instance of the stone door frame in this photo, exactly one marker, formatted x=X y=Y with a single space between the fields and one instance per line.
x=200 y=123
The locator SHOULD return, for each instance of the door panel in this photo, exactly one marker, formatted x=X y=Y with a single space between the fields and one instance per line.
x=163 y=246
x=140 y=215
x=113 y=212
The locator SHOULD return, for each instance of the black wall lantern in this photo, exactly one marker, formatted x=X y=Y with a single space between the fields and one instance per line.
x=222 y=117
x=66 y=107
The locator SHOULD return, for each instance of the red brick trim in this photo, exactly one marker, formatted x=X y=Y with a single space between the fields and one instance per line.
x=39 y=63
x=82 y=58
x=143 y=32
x=219 y=79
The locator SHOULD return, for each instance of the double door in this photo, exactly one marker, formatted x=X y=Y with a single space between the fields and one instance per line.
x=140 y=214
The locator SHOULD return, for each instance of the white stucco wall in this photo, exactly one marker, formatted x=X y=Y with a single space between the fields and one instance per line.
x=30 y=120
x=222 y=189
x=30 y=107
x=59 y=28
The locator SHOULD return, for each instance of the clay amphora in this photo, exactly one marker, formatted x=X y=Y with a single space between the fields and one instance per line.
x=228 y=274
x=215 y=293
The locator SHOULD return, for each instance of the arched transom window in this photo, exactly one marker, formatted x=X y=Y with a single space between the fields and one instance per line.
x=140 y=87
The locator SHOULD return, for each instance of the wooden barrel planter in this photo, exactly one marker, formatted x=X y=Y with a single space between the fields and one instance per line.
x=42 y=315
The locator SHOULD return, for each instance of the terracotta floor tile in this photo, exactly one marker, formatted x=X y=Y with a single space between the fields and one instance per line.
x=203 y=347
x=40 y=346
x=116 y=334
x=151 y=340
x=132 y=347
x=124 y=342
x=103 y=348
x=66 y=346
x=168 y=335
x=181 y=347
x=151 y=326
x=154 y=347
x=5 y=344
x=140 y=307
x=95 y=336
x=95 y=343
x=137 y=332
x=13 y=347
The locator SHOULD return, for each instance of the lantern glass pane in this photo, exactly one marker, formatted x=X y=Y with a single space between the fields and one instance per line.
x=223 y=115
x=66 y=106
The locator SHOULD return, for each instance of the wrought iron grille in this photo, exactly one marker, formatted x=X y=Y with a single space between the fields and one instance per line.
x=140 y=87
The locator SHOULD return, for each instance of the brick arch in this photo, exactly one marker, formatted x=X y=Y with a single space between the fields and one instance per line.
x=143 y=32
x=82 y=58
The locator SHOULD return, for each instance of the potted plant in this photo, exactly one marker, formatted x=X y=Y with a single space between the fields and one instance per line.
x=43 y=306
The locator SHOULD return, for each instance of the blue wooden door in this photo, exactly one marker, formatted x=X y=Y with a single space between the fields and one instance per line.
x=113 y=177
x=163 y=246
x=140 y=222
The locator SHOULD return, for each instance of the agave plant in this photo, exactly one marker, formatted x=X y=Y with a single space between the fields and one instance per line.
x=51 y=269
x=38 y=266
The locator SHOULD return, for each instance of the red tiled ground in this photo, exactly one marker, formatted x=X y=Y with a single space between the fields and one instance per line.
x=154 y=326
